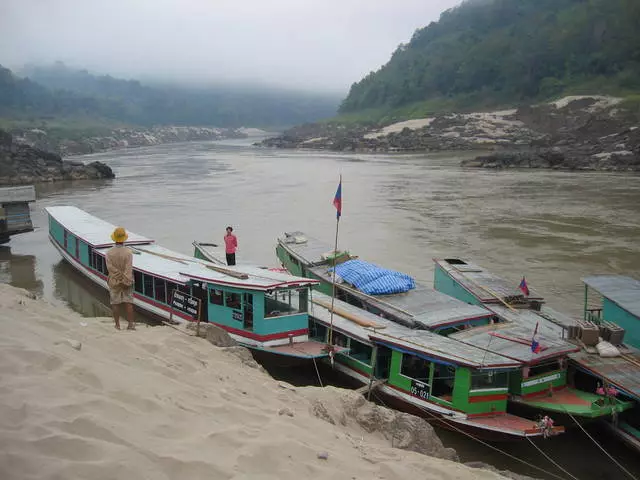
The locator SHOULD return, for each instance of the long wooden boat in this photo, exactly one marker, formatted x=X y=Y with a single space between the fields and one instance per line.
x=586 y=368
x=457 y=386
x=539 y=386
x=260 y=309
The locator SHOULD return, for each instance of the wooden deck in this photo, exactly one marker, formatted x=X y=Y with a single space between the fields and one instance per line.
x=511 y=423
x=310 y=349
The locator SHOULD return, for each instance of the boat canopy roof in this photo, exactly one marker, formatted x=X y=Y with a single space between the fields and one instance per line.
x=420 y=342
x=621 y=371
x=173 y=266
x=420 y=306
x=93 y=230
x=482 y=284
x=621 y=290
x=309 y=250
x=513 y=338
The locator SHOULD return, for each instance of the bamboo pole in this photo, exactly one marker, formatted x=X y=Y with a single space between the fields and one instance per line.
x=349 y=316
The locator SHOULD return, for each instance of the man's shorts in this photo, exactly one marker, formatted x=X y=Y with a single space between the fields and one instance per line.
x=121 y=295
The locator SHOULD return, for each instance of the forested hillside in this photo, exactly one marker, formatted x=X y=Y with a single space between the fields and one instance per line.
x=491 y=52
x=58 y=91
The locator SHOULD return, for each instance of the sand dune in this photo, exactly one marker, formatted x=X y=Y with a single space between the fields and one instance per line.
x=158 y=404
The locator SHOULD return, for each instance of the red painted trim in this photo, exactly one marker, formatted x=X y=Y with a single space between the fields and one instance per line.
x=486 y=414
x=447 y=407
x=263 y=338
x=543 y=392
x=488 y=398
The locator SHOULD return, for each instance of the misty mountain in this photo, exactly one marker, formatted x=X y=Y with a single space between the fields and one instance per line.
x=57 y=90
x=488 y=52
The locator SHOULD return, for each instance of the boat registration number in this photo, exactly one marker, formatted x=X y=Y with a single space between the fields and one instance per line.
x=419 y=389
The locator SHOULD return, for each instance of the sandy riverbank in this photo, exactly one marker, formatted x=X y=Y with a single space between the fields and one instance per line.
x=79 y=399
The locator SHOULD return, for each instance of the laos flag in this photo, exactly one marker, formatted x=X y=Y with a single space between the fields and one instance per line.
x=524 y=287
x=337 y=200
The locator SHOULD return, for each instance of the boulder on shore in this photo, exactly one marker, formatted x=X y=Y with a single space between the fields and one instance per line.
x=21 y=164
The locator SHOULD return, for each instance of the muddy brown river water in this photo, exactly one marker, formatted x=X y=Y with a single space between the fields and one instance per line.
x=398 y=210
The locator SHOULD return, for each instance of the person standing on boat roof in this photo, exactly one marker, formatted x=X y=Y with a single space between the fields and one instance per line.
x=230 y=246
x=120 y=267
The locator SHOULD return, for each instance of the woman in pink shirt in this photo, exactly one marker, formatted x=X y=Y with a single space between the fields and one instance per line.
x=231 y=244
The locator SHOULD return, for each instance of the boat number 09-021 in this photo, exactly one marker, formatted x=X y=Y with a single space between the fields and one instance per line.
x=419 y=389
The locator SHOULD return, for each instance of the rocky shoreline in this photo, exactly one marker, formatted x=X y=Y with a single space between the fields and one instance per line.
x=123 y=138
x=22 y=164
x=574 y=133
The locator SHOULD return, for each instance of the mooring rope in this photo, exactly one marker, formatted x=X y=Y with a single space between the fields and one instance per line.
x=551 y=459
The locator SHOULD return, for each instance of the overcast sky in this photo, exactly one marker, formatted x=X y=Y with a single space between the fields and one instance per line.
x=310 y=44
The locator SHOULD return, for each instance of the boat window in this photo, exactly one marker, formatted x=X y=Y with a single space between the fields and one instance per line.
x=171 y=287
x=66 y=239
x=415 y=367
x=489 y=380
x=443 y=379
x=233 y=300
x=98 y=263
x=360 y=351
x=160 y=288
x=216 y=297
x=543 y=368
x=147 y=281
x=339 y=339
x=318 y=332
x=285 y=302
x=137 y=281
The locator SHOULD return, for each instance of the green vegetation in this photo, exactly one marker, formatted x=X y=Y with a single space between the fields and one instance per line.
x=487 y=53
x=61 y=95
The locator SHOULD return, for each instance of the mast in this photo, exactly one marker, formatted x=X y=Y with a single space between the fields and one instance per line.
x=337 y=202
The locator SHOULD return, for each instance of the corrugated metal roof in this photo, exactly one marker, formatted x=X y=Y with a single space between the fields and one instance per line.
x=310 y=250
x=484 y=285
x=429 y=343
x=18 y=194
x=422 y=305
x=171 y=265
x=92 y=230
x=623 y=373
x=513 y=338
x=624 y=291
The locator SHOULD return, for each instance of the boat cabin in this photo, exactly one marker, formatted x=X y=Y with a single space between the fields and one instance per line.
x=15 y=216
x=255 y=306
x=618 y=302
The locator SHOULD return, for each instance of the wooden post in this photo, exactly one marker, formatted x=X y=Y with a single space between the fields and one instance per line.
x=374 y=353
x=171 y=306
x=586 y=301
x=199 y=315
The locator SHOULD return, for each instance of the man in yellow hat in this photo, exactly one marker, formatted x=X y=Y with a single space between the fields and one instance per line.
x=120 y=267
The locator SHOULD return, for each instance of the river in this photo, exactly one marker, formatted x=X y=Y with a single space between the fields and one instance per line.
x=398 y=210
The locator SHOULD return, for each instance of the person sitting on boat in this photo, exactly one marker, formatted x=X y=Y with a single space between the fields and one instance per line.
x=231 y=245
x=120 y=267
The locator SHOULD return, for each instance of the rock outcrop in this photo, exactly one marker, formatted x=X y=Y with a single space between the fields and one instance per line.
x=575 y=133
x=124 y=138
x=21 y=164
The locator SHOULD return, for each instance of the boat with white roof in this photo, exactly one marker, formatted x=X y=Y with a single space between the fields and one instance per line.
x=261 y=309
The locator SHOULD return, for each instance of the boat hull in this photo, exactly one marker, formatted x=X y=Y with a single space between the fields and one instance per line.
x=161 y=313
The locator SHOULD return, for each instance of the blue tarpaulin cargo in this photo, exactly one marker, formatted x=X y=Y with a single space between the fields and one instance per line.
x=374 y=280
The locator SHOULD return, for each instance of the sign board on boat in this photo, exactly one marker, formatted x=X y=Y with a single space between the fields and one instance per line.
x=538 y=381
x=237 y=315
x=419 y=389
x=186 y=304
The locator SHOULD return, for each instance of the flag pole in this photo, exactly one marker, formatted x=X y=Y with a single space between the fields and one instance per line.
x=335 y=254
x=333 y=281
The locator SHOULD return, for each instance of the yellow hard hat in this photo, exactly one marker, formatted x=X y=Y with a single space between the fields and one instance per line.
x=119 y=235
